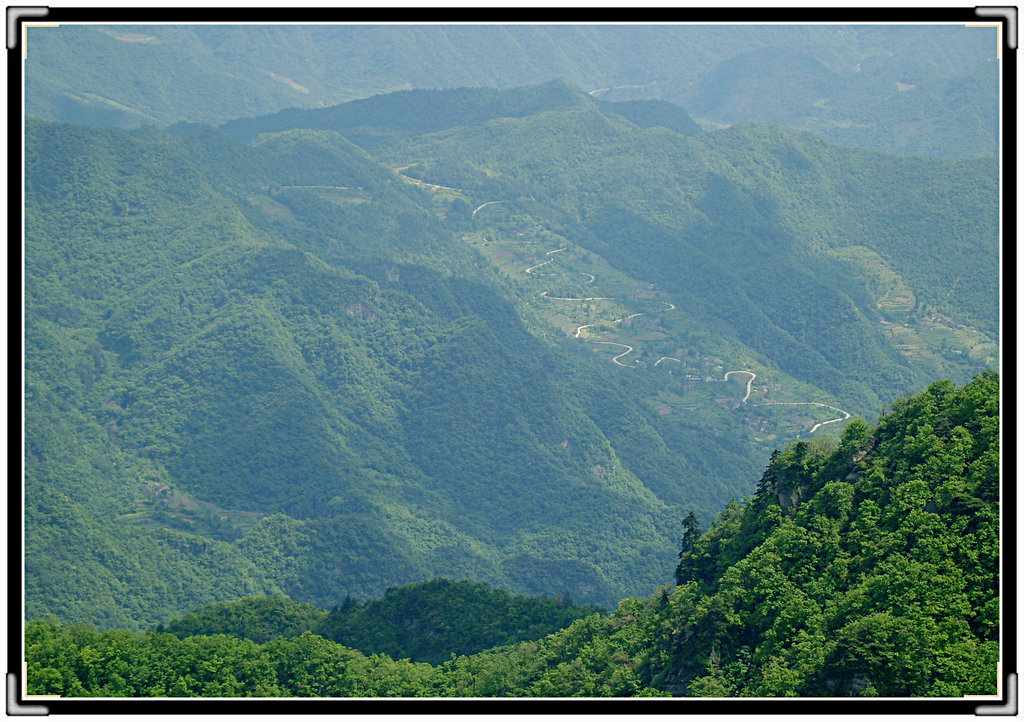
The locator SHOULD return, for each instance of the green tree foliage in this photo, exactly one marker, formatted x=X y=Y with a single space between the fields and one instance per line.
x=857 y=581
x=197 y=377
x=691 y=532
x=430 y=621
x=859 y=571
x=259 y=619
x=652 y=114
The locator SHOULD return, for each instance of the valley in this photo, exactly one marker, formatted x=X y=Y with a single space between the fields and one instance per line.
x=512 y=359
x=519 y=359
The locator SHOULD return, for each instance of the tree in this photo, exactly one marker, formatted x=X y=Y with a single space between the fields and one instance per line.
x=768 y=483
x=460 y=212
x=691 y=533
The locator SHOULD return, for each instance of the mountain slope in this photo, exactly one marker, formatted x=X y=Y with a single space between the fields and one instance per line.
x=697 y=215
x=513 y=359
x=867 y=567
x=270 y=403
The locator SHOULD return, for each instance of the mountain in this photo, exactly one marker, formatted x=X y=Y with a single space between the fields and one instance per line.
x=284 y=366
x=907 y=89
x=772 y=83
x=864 y=567
x=204 y=396
x=418 y=111
x=259 y=619
x=842 y=230
x=236 y=376
x=651 y=114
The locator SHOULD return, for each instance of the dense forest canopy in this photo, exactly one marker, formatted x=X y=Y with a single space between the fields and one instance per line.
x=863 y=567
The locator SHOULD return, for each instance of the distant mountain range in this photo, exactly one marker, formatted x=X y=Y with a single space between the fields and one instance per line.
x=906 y=89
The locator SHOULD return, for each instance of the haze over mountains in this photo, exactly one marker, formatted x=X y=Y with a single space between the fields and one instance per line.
x=481 y=334
x=907 y=89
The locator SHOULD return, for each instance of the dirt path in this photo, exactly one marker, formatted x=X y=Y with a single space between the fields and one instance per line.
x=544 y=294
x=749 y=381
x=667 y=358
x=483 y=205
x=628 y=350
x=844 y=417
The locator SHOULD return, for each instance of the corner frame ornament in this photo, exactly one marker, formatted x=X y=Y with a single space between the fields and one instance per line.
x=1005 y=13
x=14 y=706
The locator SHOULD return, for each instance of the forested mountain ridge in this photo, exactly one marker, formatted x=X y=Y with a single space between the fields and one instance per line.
x=863 y=567
x=284 y=366
x=907 y=89
x=419 y=111
x=229 y=375
x=866 y=236
x=426 y=621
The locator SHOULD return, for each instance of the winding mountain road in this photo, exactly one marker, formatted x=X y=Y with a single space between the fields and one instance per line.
x=844 y=417
x=424 y=184
x=615 y=359
x=579 y=329
x=544 y=294
x=483 y=205
x=749 y=381
x=670 y=307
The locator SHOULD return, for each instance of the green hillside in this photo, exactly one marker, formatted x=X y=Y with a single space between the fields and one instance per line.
x=434 y=620
x=832 y=264
x=256 y=417
x=863 y=567
x=510 y=350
